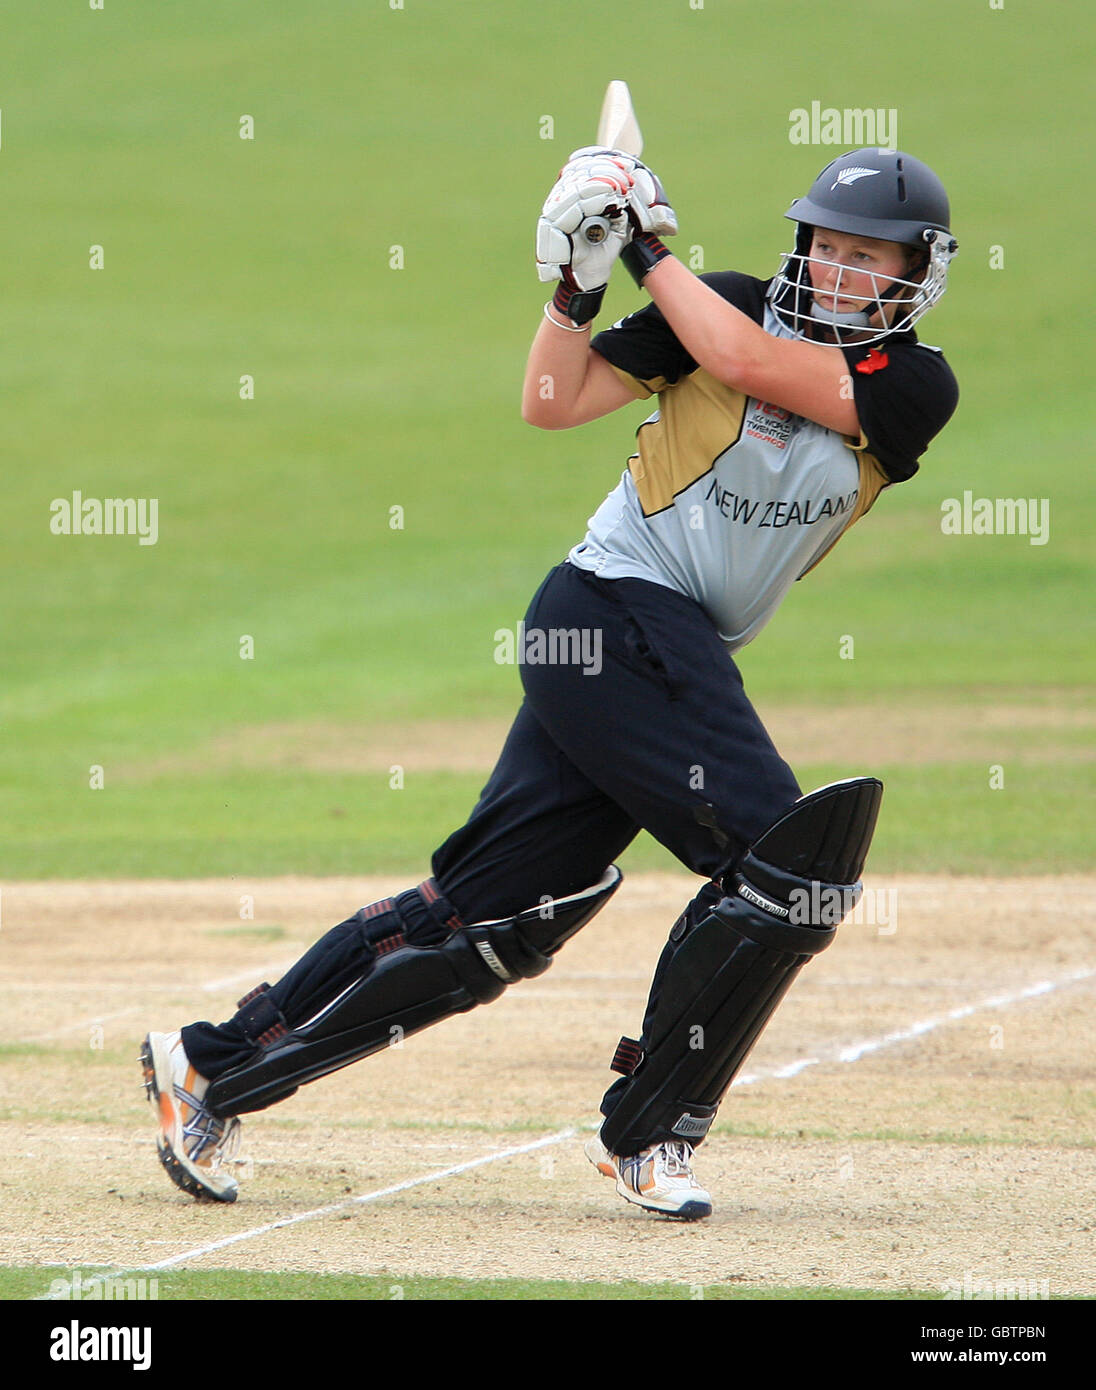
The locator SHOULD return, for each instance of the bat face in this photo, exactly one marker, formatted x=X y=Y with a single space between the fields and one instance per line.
x=618 y=128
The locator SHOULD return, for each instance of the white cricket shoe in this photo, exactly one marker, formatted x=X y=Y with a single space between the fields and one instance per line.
x=193 y=1144
x=657 y=1179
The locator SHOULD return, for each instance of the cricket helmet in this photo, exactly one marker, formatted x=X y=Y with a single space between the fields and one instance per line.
x=880 y=193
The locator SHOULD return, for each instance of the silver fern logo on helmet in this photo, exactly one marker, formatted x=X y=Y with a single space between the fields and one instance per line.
x=849 y=176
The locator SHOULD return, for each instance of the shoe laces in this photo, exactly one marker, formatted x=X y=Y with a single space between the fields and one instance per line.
x=675 y=1159
x=203 y=1131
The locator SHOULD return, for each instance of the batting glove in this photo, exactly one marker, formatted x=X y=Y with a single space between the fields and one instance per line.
x=583 y=227
x=648 y=206
x=584 y=223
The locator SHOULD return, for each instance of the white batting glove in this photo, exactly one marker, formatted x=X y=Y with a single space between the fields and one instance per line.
x=649 y=206
x=647 y=202
x=584 y=224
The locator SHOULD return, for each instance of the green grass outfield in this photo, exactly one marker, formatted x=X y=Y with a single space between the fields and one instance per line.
x=378 y=388
x=35 y=1281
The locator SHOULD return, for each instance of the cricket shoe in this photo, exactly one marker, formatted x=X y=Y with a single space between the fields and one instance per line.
x=193 y=1144
x=658 y=1178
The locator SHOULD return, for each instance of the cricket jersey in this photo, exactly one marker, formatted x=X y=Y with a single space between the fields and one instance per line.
x=730 y=499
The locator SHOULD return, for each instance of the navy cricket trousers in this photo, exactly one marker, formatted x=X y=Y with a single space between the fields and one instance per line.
x=646 y=726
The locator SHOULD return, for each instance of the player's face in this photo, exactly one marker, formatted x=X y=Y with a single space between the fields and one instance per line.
x=854 y=272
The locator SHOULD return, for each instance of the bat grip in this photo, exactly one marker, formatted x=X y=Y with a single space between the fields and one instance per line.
x=596 y=229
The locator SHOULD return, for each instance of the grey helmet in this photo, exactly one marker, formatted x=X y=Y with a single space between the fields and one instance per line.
x=880 y=193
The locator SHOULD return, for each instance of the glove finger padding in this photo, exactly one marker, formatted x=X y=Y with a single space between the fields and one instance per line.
x=648 y=205
x=619 y=157
x=591 y=194
x=586 y=188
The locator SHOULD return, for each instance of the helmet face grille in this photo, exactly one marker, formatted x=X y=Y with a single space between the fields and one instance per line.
x=812 y=313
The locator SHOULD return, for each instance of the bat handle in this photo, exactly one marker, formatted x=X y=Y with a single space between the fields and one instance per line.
x=596 y=229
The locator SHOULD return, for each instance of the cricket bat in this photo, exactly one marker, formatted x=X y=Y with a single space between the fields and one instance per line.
x=617 y=129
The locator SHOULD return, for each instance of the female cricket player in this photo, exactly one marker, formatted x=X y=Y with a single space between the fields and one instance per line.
x=784 y=407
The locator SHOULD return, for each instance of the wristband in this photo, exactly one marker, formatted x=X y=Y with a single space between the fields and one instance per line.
x=642 y=254
x=580 y=306
x=567 y=327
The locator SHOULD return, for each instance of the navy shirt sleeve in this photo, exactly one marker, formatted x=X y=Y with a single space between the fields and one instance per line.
x=905 y=394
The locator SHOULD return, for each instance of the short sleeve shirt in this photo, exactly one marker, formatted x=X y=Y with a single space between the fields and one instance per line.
x=731 y=499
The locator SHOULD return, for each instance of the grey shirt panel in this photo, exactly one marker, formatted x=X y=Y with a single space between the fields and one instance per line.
x=743 y=532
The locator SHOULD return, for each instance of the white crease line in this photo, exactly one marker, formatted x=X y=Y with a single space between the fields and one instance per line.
x=852 y=1052
x=453 y=1171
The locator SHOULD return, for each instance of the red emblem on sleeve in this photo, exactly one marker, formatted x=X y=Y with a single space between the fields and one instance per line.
x=874 y=362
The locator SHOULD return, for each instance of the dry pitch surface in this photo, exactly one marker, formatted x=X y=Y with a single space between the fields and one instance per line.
x=958 y=1144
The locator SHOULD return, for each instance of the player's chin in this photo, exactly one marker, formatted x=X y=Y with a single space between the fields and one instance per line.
x=832 y=305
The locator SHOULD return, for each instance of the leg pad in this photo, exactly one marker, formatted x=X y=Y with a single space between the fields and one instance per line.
x=723 y=984
x=726 y=968
x=404 y=990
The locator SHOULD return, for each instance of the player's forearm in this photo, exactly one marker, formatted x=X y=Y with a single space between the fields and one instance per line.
x=554 y=375
x=719 y=337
